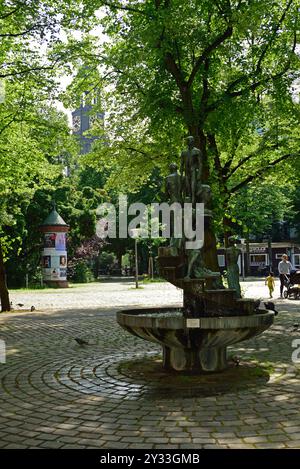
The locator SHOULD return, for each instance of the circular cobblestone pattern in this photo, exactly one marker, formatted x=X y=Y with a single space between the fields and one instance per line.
x=113 y=392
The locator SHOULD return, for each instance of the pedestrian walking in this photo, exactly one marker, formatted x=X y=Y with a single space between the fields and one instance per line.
x=271 y=283
x=284 y=269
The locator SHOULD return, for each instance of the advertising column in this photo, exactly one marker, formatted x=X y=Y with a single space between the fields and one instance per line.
x=54 y=256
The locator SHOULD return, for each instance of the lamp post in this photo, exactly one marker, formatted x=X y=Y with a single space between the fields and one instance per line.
x=243 y=257
x=268 y=241
x=150 y=264
x=135 y=234
x=270 y=253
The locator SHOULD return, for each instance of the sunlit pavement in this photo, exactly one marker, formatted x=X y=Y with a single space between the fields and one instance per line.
x=55 y=393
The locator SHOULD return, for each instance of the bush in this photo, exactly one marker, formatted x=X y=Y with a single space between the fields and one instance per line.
x=107 y=261
x=82 y=273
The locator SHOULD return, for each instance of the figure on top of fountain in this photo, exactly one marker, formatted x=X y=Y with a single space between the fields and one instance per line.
x=174 y=185
x=191 y=170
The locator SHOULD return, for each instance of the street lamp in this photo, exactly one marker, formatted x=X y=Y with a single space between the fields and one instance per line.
x=135 y=234
x=268 y=241
x=243 y=257
x=150 y=264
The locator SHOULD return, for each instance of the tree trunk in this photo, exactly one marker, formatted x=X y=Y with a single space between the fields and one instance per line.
x=210 y=244
x=119 y=258
x=227 y=229
x=210 y=256
x=4 y=295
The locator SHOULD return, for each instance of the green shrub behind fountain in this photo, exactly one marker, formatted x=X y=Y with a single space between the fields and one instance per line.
x=196 y=336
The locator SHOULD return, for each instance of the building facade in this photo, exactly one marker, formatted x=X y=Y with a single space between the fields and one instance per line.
x=257 y=261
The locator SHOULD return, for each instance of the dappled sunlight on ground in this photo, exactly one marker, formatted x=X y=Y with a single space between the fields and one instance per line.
x=112 y=393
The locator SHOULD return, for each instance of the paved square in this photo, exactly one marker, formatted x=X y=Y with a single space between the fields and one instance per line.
x=55 y=393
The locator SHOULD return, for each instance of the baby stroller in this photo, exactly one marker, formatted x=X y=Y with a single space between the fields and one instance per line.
x=292 y=285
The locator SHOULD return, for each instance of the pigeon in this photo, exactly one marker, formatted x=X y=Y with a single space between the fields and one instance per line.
x=256 y=304
x=32 y=308
x=236 y=360
x=20 y=304
x=295 y=327
x=81 y=341
x=270 y=305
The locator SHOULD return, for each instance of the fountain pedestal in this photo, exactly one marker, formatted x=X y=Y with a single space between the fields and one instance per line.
x=197 y=344
x=206 y=359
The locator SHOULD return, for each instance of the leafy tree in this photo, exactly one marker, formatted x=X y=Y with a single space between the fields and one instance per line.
x=30 y=131
x=35 y=145
x=257 y=208
x=219 y=71
x=76 y=204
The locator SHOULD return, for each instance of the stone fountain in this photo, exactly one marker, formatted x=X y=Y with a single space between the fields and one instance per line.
x=195 y=337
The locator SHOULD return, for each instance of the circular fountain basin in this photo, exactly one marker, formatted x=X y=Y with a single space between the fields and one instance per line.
x=198 y=345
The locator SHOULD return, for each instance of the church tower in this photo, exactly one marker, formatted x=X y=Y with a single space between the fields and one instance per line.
x=83 y=119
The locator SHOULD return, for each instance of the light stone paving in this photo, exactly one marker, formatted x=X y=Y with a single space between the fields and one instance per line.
x=57 y=394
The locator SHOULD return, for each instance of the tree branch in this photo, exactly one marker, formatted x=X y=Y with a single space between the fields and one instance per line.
x=118 y=6
x=23 y=33
x=273 y=36
x=136 y=150
x=244 y=160
x=175 y=71
x=6 y=15
x=256 y=84
x=28 y=70
x=262 y=171
x=251 y=87
x=213 y=145
x=214 y=45
x=205 y=88
x=8 y=123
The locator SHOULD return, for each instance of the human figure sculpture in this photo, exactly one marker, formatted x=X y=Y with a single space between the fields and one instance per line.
x=173 y=192
x=191 y=169
x=195 y=263
x=233 y=276
x=194 y=259
x=173 y=184
x=204 y=195
x=196 y=267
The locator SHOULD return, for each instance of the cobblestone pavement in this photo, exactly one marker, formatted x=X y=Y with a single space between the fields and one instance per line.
x=57 y=394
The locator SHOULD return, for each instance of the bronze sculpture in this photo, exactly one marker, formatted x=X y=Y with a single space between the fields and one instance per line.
x=191 y=170
x=233 y=275
x=174 y=185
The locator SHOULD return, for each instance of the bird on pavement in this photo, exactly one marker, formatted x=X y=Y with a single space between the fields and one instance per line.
x=20 y=304
x=270 y=305
x=236 y=360
x=81 y=341
x=32 y=308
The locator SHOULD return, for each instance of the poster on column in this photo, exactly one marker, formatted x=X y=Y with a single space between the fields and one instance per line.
x=63 y=273
x=63 y=261
x=54 y=267
x=60 y=242
x=50 y=240
x=46 y=262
